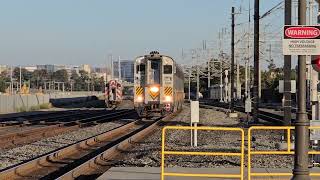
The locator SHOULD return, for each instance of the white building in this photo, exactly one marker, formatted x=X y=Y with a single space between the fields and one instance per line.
x=30 y=68
x=3 y=68
x=86 y=68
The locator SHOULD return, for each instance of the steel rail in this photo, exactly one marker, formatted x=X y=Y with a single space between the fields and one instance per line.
x=44 y=118
x=27 y=136
x=263 y=115
x=100 y=161
x=50 y=162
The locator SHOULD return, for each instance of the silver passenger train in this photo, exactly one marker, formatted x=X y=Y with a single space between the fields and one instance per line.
x=158 y=84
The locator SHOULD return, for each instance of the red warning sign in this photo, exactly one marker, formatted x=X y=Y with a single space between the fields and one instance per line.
x=302 y=32
x=301 y=40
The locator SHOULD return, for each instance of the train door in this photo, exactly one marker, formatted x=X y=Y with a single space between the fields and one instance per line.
x=154 y=75
x=154 y=82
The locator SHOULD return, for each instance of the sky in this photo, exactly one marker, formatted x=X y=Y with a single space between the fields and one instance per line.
x=87 y=31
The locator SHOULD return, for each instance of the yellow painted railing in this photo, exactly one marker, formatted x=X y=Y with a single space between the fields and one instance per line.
x=240 y=154
x=284 y=152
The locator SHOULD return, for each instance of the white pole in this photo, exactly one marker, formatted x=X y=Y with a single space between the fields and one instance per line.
x=194 y=109
x=209 y=74
x=238 y=81
x=221 y=80
x=246 y=78
x=221 y=68
x=111 y=66
x=106 y=80
x=195 y=137
x=226 y=87
x=20 y=86
x=11 y=84
x=189 y=83
x=198 y=82
x=119 y=68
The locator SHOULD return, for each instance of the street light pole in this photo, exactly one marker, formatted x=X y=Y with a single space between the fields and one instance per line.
x=232 y=62
x=301 y=171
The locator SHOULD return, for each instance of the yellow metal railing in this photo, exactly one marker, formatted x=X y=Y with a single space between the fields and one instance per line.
x=240 y=154
x=284 y=152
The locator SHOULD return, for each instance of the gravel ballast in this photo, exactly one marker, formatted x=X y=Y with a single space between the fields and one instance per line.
x=21 y=153
x=148 y=152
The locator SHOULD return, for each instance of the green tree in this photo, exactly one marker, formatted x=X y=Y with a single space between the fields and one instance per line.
x=3 y=85
x=25 y=75
x=38 y=77
x=61 y=76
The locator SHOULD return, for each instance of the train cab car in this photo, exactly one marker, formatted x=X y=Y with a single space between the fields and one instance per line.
x=158 y=84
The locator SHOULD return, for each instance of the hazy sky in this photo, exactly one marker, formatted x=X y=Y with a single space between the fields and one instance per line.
x=86 y=31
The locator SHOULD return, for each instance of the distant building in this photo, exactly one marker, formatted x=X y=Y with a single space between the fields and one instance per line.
x=99 y=70
x=3 y=68
x=58 y=67
x=30 y=68
x=100 y=75
x=127 y=68
x=75 y=68
x=48 y=67
x=86 y=68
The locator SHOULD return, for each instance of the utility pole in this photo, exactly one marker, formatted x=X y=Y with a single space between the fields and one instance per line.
x=301 y=171
x=232 y=62
x=256 y=62
x=209 y=73
x=106 y=73
x=119 y=68
x=287 y=70
x=11 y=81
x=247 y=70
x=189 y=84
x=20 y=85
x=198 y=80
x=270 y=52
x=111 y=59
x=238 y=80
x=221 y=69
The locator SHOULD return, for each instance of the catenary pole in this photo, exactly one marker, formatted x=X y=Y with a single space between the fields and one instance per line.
x=287 y=69
x=232 y=62
x=119 y=68
x=256 y=62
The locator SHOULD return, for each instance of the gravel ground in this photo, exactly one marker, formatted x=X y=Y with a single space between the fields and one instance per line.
x=148 y=153
x=126 y=104
x=18 y=154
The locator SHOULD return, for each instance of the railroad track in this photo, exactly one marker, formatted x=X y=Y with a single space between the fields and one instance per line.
x=275 y=119
x=49 y=118
x=85 y=158
x=30 y=135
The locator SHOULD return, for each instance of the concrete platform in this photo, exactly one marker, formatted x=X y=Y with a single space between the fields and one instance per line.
x=153 y=173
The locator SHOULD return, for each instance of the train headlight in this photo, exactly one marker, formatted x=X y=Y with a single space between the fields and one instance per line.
x=154 y=89
x=139 y=98
x=168 y=98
